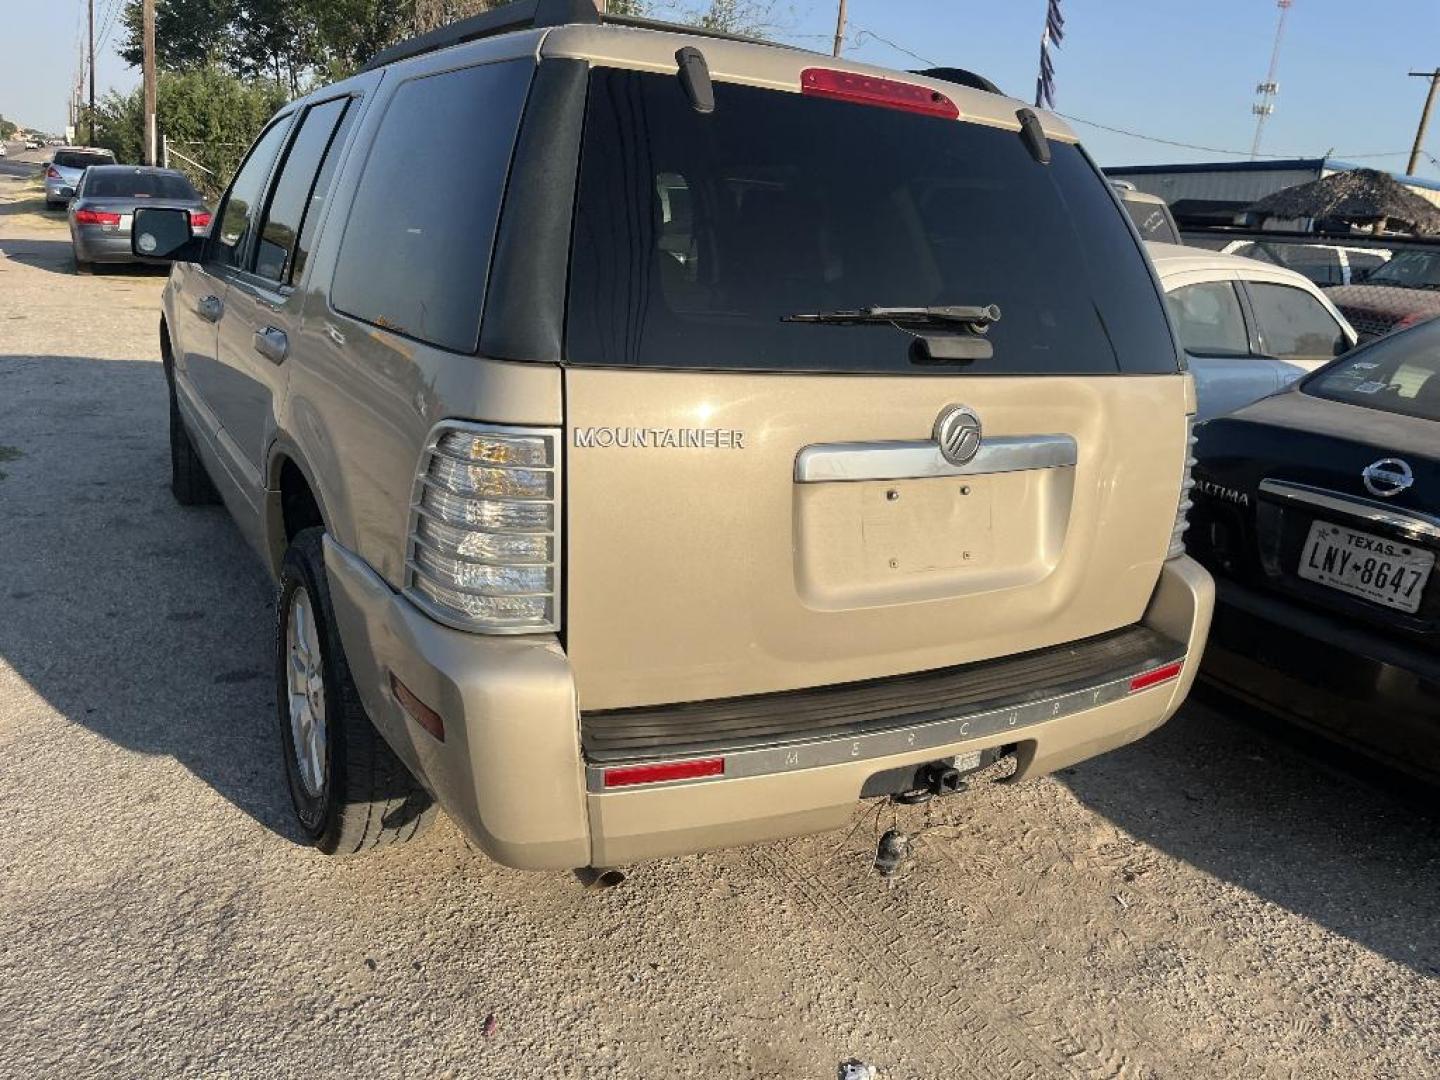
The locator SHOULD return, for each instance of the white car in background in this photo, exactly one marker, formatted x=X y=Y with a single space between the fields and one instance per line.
x=1248 y=328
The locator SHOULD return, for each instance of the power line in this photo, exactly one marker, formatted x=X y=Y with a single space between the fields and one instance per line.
x=862 y=33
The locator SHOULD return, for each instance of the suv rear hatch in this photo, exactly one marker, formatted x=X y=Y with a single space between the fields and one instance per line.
x=756 y=505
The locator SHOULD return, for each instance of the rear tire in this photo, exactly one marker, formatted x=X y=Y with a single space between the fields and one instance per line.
x=350 y=792
x=189 y=482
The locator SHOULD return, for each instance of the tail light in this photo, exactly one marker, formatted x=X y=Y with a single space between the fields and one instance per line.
x=52 y=174
x=199 y=219
x=1187 y=485
x=485 y=529
x=96 y=217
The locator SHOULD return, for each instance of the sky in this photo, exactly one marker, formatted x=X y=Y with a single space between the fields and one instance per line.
x=1182 y=70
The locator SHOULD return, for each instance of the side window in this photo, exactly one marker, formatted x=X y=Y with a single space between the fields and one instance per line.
x=1208 y=319
x=1294 y=325
x=310 y=219
x=292 y=190
x=414 y=258
x=242 y=205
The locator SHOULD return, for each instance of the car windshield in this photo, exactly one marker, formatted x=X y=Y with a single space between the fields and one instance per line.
x=697 y=234
x=1398 y=374
x=1409 y=270
x=77 y=159
x=136 y=184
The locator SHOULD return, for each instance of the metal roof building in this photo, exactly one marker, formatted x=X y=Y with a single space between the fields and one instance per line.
x=1215 y=193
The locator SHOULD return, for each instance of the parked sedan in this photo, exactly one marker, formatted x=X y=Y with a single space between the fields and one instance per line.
x=105 y=204
x=1403 y=292
x=62 y=175
x=1318 y=512
x=1248 y=328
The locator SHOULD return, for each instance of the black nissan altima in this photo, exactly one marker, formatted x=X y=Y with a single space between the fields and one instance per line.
x=1318 y=511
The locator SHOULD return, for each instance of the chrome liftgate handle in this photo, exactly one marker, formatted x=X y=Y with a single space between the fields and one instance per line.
x=830 y=462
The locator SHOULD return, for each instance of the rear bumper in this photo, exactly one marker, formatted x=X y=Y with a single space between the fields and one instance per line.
x=512 y=773
x=92 y=244
x=1333 y=676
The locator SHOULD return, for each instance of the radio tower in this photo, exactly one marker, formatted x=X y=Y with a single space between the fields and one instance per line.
x=1269 y=88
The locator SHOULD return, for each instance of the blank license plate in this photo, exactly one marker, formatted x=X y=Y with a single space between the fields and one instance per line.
x=1385 y=571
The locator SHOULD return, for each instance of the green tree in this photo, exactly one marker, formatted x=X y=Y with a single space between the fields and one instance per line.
x=208 y=114
x=188 y=33
x=7 y=128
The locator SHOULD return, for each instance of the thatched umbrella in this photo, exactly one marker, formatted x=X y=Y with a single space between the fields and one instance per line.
x=1359 y=196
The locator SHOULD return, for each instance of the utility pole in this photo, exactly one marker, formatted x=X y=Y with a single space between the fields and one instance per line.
x=840 y=29
x=1434 y=77
x=92 y=72
x=148 y=32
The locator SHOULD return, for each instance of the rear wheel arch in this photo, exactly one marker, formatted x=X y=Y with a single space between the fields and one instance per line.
x=294 y=503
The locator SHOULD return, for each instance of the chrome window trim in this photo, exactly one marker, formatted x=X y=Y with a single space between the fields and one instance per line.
x=921 y=458
x=1411 y=521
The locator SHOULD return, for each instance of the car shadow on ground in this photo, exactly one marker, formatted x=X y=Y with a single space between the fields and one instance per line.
x=147 y=623
x=1228 y=792
x=150 y=625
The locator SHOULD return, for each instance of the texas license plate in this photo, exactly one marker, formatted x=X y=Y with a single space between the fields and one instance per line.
x=1385 y=571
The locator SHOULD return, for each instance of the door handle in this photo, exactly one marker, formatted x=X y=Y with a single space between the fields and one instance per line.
x=210 y=308
x=272 y=343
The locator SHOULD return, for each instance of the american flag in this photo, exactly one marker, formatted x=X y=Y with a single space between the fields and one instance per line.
x=1054 y=34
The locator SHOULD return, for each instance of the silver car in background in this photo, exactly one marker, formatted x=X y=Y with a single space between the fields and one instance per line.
x=1249 y=329
x=66 y=167
x=105 y=204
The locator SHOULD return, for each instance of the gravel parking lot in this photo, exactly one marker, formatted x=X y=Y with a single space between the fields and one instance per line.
x=1210 y=902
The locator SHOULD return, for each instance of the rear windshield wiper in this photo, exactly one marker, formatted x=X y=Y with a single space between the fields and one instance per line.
x=956 y=333
x=971 y=317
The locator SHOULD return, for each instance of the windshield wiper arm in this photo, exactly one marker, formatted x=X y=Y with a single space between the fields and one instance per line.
x=977 y=318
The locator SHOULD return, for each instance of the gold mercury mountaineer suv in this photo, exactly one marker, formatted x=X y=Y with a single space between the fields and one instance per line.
x=727 y=434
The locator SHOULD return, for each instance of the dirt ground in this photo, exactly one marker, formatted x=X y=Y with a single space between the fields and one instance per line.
x=1208 y=903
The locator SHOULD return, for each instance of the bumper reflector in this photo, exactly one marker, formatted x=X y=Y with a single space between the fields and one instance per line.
x=421 y=713
x=1156 y=676
x=630 y=775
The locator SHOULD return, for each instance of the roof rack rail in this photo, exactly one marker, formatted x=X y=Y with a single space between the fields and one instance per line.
x=962 y=77
x=530 y=15
x=525 y=15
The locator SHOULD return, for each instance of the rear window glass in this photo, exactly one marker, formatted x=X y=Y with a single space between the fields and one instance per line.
x=1150 y=219
x=1398 y=374
x=696 y=234
x=75 y=159
x=417 y=243
x=124 y=184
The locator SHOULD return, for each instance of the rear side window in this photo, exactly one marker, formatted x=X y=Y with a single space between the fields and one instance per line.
x=1294 y=325
x=696 y=234
x=1208 y=319
x=417 y=242
x=291 y=196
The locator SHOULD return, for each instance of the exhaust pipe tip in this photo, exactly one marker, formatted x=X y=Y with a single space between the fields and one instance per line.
x=599 y=878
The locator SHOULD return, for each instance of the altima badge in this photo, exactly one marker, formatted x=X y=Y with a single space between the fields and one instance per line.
x=1388 y=476
x=957 y=430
